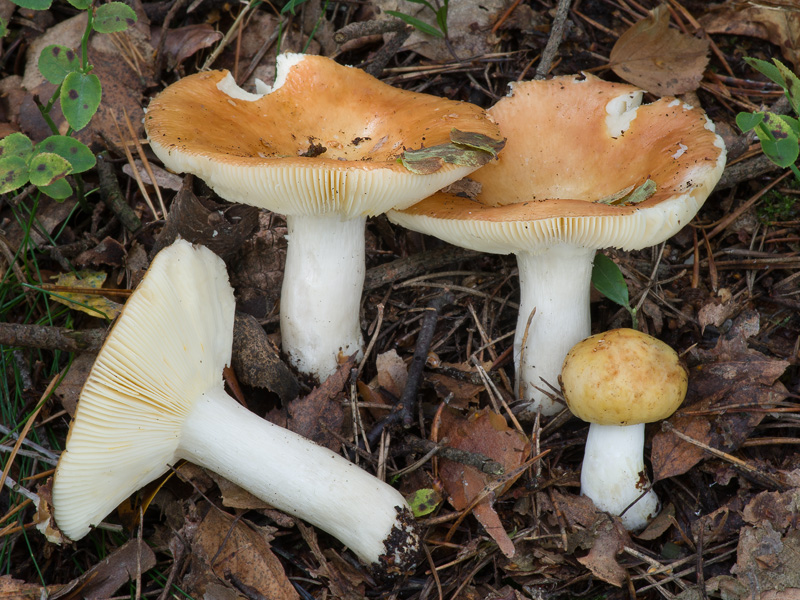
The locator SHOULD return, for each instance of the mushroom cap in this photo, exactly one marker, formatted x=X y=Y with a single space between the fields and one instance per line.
x=325 y=139
x=169 y=345
x=623 y=377
x=570 y=143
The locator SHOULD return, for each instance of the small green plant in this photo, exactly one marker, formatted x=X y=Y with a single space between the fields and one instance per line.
x=779 y=134
x=47 y=163
x=439 y=10
x=608 y=280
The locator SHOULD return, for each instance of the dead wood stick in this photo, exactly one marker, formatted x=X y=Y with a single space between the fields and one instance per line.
x=554 y=41
x=424 y=262
x=404 y=410
x=474 y=459
x=112 y=195
x=51 y=338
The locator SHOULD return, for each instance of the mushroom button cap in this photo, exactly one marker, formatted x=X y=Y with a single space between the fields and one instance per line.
x=623 y=377
x=325 y=139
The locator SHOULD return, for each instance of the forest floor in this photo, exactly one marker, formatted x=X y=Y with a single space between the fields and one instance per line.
x=723 y=292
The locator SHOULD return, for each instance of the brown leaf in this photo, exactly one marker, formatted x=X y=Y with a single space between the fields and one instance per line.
x=106 y=577
x=777 y=22
x=257 y=362
x=108 y=252
x=226 y=549
x=730 y=375
x=319 y=415
x=183 y=42
x=774 y=507
x=766 y=561
x=392 y=372
x=602 y=558
x=222 y=228
x=485 y=432
x=661 y=60
x=17 y=589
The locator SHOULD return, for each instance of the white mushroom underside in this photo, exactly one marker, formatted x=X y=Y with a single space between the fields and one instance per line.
x=349 y=191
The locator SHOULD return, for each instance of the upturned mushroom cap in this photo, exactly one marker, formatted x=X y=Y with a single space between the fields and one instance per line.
x=571 y=143
x=623 y=377
x=147 y=376
x=325 y=139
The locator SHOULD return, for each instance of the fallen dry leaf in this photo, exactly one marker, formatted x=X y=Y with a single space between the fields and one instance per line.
x=610 y=539
x=484 y=432
x=729 y=375
x=777 y=21
x=257 y=361
x=16 y=589
x=92 y=304
x=108 y=252
x=659 y=59
x=228 y=550
x=392 y=372
x=319 y=415
x=767 y=561
x=106 y=577
x=183 y=42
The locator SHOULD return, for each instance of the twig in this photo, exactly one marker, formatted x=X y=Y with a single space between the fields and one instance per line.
x=359 y=29
x=556 y=33
x=387 y=51
x=51 y=338
x=111 y=194
x=424 y=262
x=474 y=459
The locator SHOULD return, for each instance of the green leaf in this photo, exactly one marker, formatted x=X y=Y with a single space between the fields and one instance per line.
x=464 y=148
x=441 y=19
x=794 y=124
x=778 y=141
x=416 y=23
x=33 y=4
x=3 y=28
x=113 y=17
x=46 y=167
x=747 y=121
x=60 y=190
x=14 y=173
x=792 y=86
x=608 y=280
x=77 y=153
x=80 y=97
x=424 y=501
x=16 y=144
x=770 y=70
x=80 y=4
x=56 y=62
x=630 y=195
x=291 y=6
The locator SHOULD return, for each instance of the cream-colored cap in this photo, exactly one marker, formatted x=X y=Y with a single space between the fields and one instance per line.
x=570 y=143
x=325 y=139
x=623 y=377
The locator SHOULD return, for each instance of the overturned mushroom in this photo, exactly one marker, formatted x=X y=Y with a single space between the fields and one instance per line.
x=327 y=146
x=585 y=167
x=155 y=395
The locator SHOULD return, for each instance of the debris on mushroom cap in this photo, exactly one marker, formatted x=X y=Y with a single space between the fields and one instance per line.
x=588 y=140
x=623 y=377
x=325 y=139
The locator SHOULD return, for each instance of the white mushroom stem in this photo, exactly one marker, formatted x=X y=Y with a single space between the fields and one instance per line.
x=614 y=476
x=298 y=477
x=556 y=283
x=321 y=295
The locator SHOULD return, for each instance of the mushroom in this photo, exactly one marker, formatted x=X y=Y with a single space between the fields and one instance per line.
x=576 y=175
x=326 y=146
x=618 y=381
x=155 y=396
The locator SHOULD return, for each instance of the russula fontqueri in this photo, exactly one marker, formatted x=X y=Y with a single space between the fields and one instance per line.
x=326 y=146
x=618 y=381
x=155 y=395
x=559 y=191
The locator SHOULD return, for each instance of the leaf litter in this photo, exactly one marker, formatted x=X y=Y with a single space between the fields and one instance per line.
x=729 y=526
